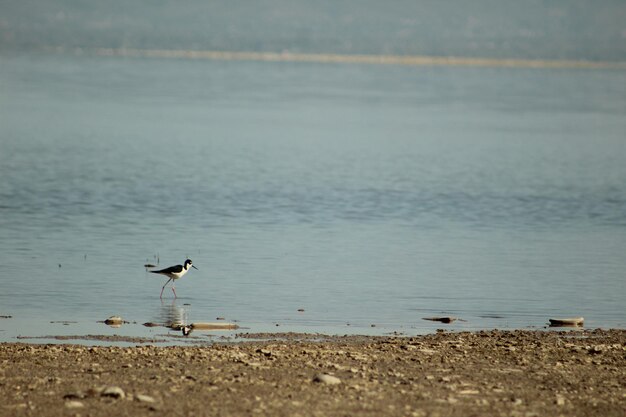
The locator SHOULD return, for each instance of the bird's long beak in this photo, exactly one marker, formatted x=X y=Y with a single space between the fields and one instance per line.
x=194 y=267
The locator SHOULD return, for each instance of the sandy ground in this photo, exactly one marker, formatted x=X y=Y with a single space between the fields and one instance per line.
x=496 y=373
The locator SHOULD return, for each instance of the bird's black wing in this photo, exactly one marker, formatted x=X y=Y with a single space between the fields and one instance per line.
x=171 y=269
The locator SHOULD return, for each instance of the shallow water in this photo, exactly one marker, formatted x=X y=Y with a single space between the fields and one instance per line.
x=365 y=195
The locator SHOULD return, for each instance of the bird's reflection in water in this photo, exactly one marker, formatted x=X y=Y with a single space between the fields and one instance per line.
x=173 y=315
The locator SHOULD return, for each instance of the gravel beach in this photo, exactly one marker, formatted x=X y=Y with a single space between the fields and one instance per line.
x=493 y=373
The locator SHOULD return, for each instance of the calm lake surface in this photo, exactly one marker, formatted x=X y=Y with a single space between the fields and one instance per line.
x=363 y=194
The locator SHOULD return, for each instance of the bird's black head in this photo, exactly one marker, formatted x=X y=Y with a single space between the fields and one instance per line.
x=188 y=264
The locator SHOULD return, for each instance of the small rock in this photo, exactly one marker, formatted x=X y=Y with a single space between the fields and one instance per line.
x=115 y=392
x=264 y=352
x=327 y=379
x=74 y=404
x=595 y=349
x=144 y=398
x=114 y=321
x=560 y=400
x=74 y=395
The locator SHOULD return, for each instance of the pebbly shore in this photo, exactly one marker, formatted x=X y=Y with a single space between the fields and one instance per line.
x=487 y=373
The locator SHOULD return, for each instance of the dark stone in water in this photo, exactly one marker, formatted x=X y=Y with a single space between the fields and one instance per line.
x=441 y=319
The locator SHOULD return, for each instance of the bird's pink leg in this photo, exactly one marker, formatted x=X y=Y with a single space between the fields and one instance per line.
x=161 y=296
x=174 y=289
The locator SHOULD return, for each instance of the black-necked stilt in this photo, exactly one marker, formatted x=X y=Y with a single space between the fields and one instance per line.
x=174 y=272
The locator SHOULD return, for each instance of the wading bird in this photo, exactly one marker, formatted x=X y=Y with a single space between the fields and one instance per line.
x=174 y=272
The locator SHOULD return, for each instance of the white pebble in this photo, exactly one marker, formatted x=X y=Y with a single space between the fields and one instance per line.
x=144 y=398
x=74 y=404
x=115 y=392
x=327 y=379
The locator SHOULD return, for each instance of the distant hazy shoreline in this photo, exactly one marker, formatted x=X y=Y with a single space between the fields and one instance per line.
x=405 y=60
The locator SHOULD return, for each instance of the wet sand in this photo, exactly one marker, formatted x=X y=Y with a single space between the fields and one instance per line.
x=495 y=373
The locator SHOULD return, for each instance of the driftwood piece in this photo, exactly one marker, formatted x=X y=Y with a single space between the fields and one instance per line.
x=564 y=322
x=213 y=326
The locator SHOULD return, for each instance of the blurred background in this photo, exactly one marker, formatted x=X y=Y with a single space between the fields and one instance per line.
x=533 y=29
